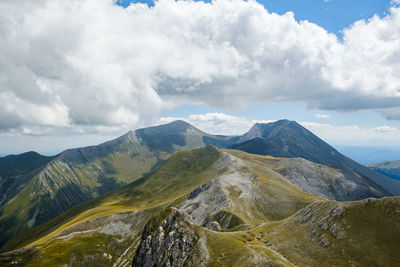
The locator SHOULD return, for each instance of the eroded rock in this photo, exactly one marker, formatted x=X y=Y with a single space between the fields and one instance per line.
x=173 y=242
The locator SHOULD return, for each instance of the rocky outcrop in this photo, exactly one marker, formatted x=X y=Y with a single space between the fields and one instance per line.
x=173 y=242
x=320 y=223
x=341 y=184
x=213 y=225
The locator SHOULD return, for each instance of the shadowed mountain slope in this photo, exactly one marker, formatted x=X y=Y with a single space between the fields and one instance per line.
x=17 y=170
x=286 y=138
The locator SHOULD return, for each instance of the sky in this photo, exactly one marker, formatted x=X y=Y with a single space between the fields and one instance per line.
x=80 y=72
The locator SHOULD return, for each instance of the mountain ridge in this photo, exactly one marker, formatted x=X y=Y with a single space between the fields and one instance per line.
x=297 y=141
x=77 y=175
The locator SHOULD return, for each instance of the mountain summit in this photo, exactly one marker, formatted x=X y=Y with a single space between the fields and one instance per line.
x=285 y=138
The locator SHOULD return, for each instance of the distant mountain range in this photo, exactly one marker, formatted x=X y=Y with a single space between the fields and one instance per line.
x=388 y=168
x=369 y=155
x=141 y=175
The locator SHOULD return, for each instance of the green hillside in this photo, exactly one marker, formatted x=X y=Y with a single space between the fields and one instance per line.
x=325 y=233
x=177 y=177
x=361 y=233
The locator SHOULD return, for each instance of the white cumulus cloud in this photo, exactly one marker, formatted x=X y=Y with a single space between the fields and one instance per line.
x=217 y=123
x=353 y=135
x=91 y=63
x=322 y=116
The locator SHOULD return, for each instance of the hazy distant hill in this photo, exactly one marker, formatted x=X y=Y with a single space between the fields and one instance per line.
x=369 y=155
x=286 y=138
x=388 y=168
x=201 y=205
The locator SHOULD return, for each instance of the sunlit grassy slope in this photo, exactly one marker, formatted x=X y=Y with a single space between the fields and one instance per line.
x=325 y=233
x=361 y=233
x=177 y=177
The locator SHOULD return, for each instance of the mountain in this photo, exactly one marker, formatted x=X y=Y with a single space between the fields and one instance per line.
x=324 y=233
x=75 y=176
x=389 y=168
x=201 y=205
x=46 y=187
x=335 y=183
x=286 y=138
x=17 y=170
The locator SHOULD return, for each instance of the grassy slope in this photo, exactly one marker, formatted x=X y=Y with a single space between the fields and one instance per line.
x=61 y=186
x=240 y=249
x=276 y=198
x=366 y=234
x=178 y=176
x=79 y=175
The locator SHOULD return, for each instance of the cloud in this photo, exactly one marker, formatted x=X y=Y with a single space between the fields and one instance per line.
x=217 y=123
x=353 y=135
x=91 y=63
x=385 y=129
x=322 y=116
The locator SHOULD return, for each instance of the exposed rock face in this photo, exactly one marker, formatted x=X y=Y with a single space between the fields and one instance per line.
x=322 y=222
x=242 y=193
x=215 y=226
x=332 y=183
x=174 y=242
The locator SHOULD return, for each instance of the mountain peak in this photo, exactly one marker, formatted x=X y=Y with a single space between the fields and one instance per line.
x=268 y=130
x=278 y=122
x=179 y=123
